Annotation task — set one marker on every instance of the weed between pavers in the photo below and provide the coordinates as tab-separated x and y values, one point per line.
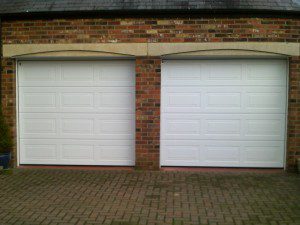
6	171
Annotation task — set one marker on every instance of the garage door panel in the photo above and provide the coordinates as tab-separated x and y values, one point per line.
181	127
244	153
34	73
174	73
117	100
266	127
180	155
32	100
181	99
117	153
270	72
68	74
226	99
264	154
222	99
215	73
77	99
77	113
266	100
116	74
222	153
71	71
76	127
223	113
39	152
38	125
77	152
115	128
223	126
224	72
87	126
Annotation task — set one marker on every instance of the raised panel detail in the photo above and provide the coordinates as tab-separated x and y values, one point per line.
184	153
77	100
261	71
116	100
38	74
225	72
116	126
264	100
264	127
179	73
76	72
182	127
77	126
223	100
117	74
36	126
220	154
115	153
77	152
223	127
184	99
263	154
39	100
40	151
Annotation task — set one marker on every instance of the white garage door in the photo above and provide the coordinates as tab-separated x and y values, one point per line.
77	113
227	113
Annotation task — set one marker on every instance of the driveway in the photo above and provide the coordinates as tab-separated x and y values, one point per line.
56	196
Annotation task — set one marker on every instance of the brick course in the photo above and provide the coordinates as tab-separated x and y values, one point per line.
214	29
137	30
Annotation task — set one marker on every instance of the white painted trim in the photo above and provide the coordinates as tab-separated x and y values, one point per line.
286	113
17	114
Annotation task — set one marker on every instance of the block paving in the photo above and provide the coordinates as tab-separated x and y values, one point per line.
58	196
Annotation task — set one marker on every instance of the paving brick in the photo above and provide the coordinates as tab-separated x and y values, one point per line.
43	196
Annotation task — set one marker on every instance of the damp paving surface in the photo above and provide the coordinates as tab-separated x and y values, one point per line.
113	197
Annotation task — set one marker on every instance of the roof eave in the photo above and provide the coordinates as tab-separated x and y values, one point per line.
152	12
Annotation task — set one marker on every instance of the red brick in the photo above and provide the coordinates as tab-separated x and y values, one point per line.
148	114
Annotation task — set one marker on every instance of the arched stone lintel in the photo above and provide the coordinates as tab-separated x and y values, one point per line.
252	48
151	49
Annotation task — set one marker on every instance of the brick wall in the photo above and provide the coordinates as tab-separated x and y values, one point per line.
148	71
8	96
293	139
151	30
181	29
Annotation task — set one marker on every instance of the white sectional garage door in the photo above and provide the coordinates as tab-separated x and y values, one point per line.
228	113
76	113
